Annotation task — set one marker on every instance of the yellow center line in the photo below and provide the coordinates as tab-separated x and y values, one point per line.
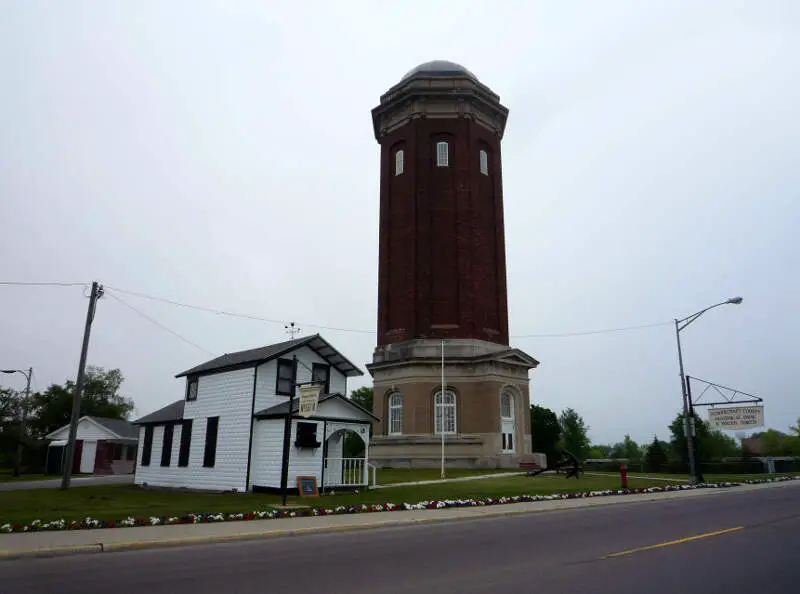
673	542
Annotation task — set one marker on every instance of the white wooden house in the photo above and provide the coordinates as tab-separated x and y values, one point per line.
226	434
102	446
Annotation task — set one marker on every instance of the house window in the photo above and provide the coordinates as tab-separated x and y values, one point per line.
484	159
398	162
306	435
445	412
395	413
442	154
147	448
186	443
166	444
284	384
210	454
322	373
191	389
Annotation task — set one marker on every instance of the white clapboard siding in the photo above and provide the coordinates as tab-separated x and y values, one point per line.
265	465
306	461
265	384
155	474
227	396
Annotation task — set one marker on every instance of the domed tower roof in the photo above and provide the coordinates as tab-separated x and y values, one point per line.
439	68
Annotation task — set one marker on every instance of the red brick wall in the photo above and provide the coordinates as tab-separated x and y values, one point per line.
442	241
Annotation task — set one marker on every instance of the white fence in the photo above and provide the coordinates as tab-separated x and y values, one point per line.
345	472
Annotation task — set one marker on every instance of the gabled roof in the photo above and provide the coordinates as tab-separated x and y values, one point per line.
280	410
263	354
119	428
171	412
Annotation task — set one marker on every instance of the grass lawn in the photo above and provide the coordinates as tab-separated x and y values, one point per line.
391	476
6	476
115	502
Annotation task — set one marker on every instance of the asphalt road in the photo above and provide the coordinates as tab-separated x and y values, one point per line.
110	479
554	552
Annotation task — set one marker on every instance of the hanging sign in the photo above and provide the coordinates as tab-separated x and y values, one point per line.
734	418
309	399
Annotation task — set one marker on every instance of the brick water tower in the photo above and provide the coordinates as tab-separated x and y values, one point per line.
442	277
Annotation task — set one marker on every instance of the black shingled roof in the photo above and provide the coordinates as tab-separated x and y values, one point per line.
263	354
171	412
121	427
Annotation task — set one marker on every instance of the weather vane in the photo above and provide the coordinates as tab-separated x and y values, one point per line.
292	330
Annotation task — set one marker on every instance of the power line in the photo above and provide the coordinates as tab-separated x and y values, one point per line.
25	284
233	314
282	322
160	325
587	332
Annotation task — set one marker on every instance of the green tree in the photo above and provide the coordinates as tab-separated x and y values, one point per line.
574	433
628	449
796	428
363	397
719	445
656	457
678	440
545	432
599	452
353	444
101	397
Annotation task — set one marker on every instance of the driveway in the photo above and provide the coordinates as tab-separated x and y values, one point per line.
112	479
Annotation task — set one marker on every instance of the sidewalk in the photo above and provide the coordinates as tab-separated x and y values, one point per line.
53	543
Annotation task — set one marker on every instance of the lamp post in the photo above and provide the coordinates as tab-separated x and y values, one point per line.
22	416
688	411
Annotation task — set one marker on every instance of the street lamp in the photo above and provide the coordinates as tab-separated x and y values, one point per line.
688	421
23	412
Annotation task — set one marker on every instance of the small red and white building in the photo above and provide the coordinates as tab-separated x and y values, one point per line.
102	446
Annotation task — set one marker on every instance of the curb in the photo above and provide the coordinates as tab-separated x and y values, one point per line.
138	545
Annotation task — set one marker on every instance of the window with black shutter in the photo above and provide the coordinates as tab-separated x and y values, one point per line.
210	454
147	448
284	383
186	443
322	373
166	445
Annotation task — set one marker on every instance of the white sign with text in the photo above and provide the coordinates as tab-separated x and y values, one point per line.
309	399
735	418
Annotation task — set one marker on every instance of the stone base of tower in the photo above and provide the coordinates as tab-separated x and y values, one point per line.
479	373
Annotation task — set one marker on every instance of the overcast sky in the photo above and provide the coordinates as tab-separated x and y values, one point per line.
221	154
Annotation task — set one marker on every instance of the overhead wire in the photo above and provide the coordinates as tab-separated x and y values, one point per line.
160	325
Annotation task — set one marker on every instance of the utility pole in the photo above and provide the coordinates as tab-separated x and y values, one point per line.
287	431
97	292
22	415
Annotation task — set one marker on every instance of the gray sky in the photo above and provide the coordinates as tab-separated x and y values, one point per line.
221	154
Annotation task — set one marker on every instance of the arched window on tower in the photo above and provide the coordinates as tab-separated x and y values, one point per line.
442	154
398	162
508	425
484	162
445	412
395	413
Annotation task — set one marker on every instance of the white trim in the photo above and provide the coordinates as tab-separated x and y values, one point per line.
399	158
395	415
508	422
442	154
95	423
57	442
437	415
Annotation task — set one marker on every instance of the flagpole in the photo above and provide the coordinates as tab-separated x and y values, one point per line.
441	410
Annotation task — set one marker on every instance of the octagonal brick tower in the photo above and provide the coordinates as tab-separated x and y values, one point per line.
442	276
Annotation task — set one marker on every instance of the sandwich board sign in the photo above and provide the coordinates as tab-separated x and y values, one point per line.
309	400
735	418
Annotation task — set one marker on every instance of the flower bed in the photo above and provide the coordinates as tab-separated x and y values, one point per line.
92	523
